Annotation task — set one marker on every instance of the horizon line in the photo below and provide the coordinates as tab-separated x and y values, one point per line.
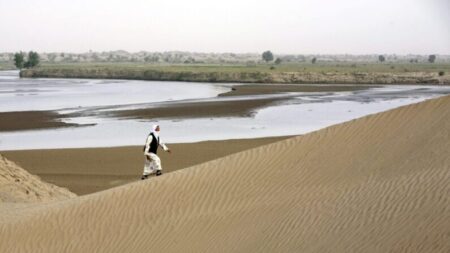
224	52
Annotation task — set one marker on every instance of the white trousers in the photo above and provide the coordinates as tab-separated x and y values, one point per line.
152	165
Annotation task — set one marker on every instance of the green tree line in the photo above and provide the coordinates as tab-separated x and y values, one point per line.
31	61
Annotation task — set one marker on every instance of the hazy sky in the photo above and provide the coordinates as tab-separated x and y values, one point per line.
283	26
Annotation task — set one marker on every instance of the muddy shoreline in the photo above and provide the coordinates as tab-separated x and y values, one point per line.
33	120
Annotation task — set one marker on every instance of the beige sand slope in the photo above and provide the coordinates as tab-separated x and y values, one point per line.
18	186
89	170
376	184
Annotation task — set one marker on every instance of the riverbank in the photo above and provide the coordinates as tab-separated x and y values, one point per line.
81	100
336	73
7	66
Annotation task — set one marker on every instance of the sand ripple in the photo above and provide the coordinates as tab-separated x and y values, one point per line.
376	184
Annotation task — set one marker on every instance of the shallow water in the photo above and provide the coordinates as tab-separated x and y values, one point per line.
301	113
23	94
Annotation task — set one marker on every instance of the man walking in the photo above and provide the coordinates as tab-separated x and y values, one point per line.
152	161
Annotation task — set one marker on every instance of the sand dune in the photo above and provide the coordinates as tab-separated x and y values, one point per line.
20	192
376	184
17	185
88	170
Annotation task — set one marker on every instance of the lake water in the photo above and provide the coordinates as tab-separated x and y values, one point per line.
301	113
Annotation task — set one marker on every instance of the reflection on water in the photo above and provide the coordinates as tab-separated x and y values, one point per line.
300	113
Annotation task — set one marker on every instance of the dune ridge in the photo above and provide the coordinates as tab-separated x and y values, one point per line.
376	184
23	194
19	186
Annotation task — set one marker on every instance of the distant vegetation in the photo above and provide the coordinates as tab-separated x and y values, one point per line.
19	60
32	60
267	56
432	58
321	72
192	58
230	67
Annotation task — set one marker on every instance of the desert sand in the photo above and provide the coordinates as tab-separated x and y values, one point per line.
376	184
88	170
19	186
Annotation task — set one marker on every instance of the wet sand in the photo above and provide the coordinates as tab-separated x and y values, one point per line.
32	120
29	120
213	109
237	108
262	89
88	170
